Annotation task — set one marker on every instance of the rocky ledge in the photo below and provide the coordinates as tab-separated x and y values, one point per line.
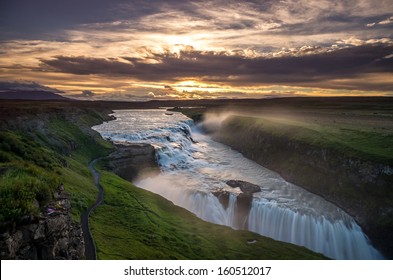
245	187
243	200
132	159
51	236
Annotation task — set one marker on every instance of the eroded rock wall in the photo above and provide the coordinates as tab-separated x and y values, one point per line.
53	235
132	159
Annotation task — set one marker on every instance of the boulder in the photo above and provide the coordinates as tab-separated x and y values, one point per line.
223	197
242	206
14	242
245	187
39	233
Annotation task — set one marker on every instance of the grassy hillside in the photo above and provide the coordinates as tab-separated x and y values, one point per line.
49	145
38	153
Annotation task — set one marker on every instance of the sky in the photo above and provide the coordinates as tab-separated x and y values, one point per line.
141	50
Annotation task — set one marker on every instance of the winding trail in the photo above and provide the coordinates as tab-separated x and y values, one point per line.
90	248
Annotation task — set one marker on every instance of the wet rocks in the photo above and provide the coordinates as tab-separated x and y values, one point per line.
223	197
245	187
243	200
130	159
243	207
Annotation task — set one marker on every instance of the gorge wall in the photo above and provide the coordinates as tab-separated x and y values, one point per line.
362	188
131	159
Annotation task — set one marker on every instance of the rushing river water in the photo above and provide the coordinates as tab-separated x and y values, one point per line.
194	167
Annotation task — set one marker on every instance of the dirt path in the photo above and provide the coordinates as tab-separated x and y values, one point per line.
90	248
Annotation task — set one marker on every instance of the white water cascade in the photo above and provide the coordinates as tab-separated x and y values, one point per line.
194	173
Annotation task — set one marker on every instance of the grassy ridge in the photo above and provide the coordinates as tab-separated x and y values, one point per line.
364	141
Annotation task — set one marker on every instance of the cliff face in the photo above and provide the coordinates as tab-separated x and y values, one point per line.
361	188
132	159
51	236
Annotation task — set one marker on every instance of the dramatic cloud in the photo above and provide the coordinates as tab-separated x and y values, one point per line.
134	48
309	67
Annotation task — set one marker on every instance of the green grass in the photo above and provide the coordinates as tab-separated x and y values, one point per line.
27	176
137	224
351	139
78	183
25	188
43	153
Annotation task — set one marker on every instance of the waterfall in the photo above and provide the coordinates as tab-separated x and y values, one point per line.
339	239
194	174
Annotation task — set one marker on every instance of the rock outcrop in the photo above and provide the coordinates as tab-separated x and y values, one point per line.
243	200
223	197
51	236
132	159
245	187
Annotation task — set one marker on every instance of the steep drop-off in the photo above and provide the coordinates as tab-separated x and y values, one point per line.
361	187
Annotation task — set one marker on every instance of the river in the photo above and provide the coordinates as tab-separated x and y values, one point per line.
194	169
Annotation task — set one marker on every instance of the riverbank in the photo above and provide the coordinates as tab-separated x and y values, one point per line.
47	144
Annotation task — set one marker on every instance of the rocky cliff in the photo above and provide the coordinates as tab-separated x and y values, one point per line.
132	159
50	236
360	187
243	200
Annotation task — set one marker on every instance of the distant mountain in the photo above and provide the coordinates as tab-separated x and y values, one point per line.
31	95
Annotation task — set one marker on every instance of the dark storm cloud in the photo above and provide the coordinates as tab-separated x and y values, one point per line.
34	19
313	69
86	65
39	18
331	25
